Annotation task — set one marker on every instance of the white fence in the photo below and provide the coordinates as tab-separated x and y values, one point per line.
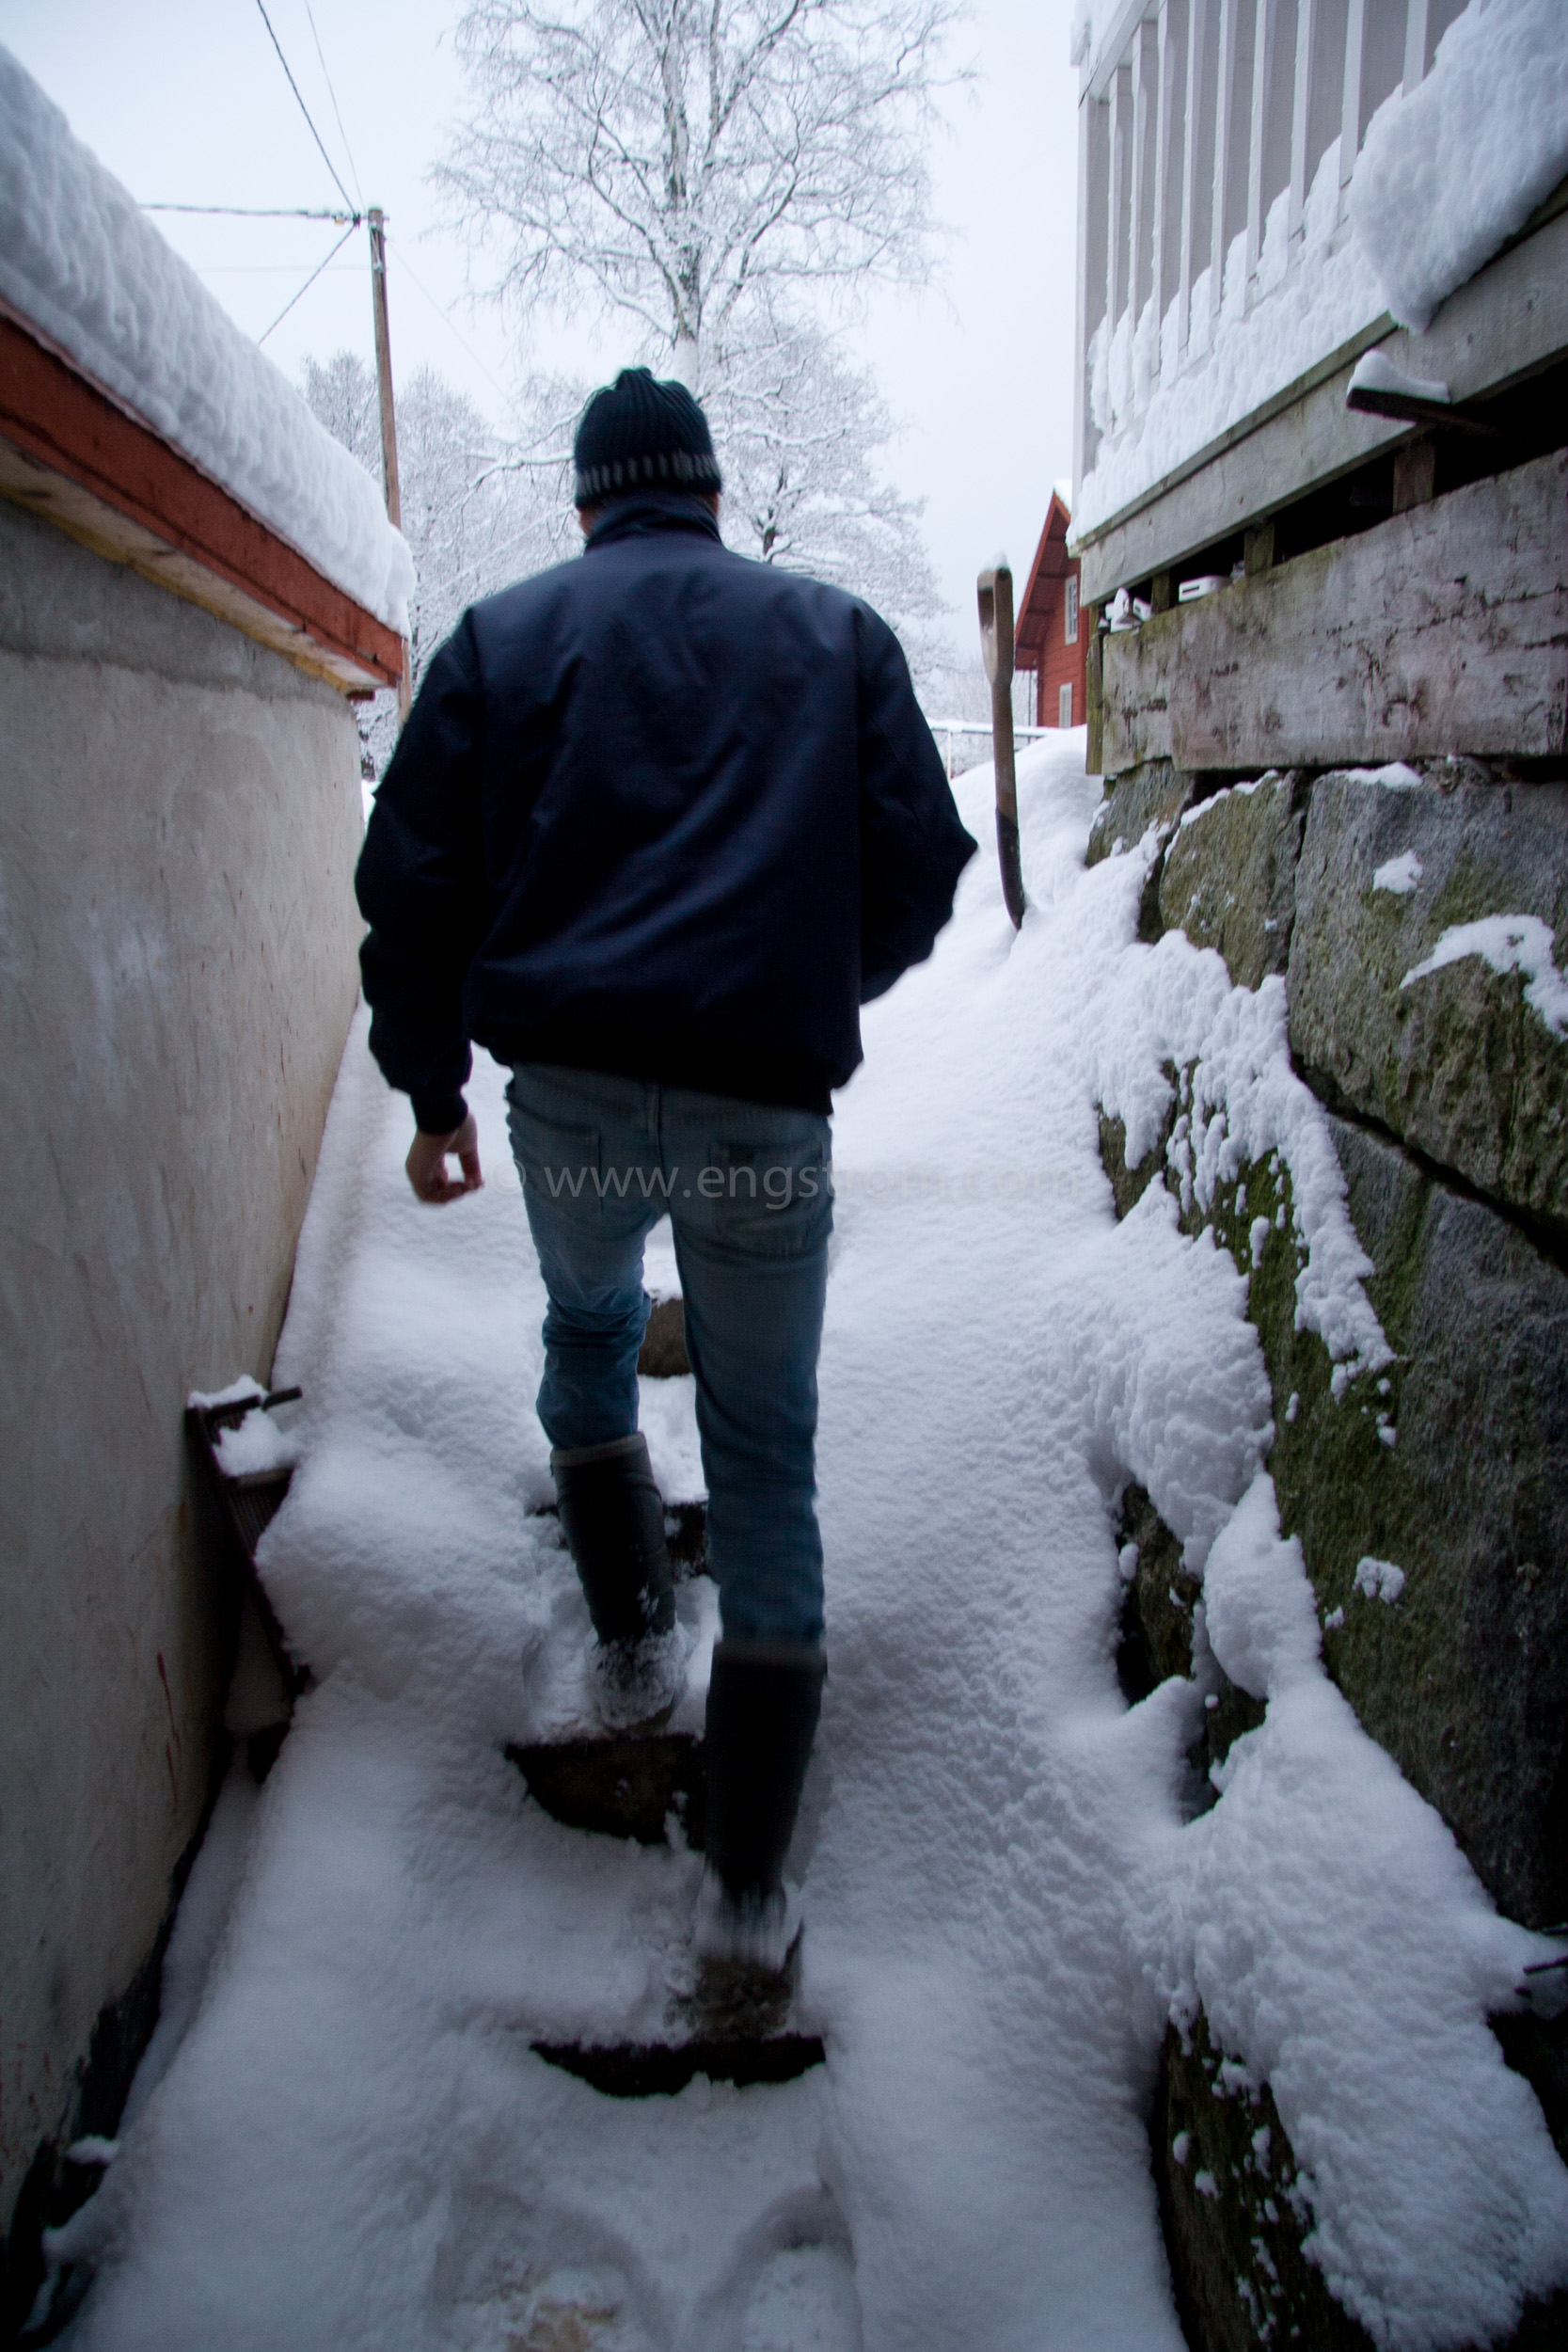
975	736
1217	139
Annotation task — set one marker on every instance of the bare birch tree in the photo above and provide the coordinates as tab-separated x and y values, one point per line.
479	508
671	158
797	430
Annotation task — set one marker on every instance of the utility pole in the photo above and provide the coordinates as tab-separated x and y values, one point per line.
389	415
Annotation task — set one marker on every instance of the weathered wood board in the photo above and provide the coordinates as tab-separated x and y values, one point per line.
1443	629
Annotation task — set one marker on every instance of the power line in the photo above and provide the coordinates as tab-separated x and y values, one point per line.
333	95
445	316
310	280
263	212
306	112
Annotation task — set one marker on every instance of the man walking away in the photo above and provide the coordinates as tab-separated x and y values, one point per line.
660	821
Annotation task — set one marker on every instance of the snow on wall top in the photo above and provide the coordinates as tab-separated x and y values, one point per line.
1451	169
79	258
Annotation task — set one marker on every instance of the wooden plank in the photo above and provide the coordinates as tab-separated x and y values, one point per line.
1443	630
1504	324
75	454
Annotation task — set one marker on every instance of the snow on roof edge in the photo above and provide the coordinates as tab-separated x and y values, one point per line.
79	260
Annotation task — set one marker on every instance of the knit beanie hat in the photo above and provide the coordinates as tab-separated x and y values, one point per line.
643	433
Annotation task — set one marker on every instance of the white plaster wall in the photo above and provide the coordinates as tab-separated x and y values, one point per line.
179	813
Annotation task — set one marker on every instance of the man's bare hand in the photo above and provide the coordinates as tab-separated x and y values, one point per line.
427	1164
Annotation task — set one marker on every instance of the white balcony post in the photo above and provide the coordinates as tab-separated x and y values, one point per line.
1306	12
1418	16
1229	11
1349	121
1120	221
1263	62
1145	92
1094	183
1198	17
1162	166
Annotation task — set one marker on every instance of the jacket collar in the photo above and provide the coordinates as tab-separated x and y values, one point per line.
654	510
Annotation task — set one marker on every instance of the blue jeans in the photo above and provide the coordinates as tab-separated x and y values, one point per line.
747	1188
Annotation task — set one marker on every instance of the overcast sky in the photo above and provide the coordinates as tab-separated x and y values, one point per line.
184	99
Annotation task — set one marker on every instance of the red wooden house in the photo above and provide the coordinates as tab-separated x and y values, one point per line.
1047	636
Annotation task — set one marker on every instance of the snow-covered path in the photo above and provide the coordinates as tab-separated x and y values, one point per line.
352	2144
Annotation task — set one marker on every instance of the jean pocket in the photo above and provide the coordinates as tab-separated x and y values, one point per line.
771	1199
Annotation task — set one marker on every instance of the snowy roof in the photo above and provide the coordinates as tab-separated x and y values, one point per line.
81	262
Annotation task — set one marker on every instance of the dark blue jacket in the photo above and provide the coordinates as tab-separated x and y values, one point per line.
661	810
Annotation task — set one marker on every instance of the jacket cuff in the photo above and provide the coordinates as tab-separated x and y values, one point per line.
438	1114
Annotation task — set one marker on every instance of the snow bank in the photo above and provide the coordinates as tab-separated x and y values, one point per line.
353	2145
1340	1944
86	266
1450	171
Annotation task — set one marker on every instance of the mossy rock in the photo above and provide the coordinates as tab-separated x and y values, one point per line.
1236	2219
1536	2047
1156	1640
1128	1184
1154	794
1451	1464
1157	1615
1237	2223
1229	875
663	1354
1457	1063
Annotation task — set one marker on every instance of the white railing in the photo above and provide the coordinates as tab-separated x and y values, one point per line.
1213	136
949	728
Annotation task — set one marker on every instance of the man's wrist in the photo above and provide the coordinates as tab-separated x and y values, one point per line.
439	1114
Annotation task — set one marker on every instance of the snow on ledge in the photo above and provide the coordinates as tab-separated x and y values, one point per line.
1509	943
83	263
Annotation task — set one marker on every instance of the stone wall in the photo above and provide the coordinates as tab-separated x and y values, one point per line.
1435	1034
179	811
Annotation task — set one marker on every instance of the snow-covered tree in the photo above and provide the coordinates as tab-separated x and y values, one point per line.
666	159
479	508
798	429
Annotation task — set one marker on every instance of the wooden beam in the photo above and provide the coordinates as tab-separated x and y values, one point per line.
72	454
1442	630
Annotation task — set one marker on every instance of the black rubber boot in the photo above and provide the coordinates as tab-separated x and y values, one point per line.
763	1702
613	1518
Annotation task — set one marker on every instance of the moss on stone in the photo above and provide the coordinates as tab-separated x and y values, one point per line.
1153	794
1157	1616
1158	1640
1452	1464
1228	879
1235	2215
1456	1063
1128	1185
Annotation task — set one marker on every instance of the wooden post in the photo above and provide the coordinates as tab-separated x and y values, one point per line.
1094	691
389	415
995	592
1415	473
